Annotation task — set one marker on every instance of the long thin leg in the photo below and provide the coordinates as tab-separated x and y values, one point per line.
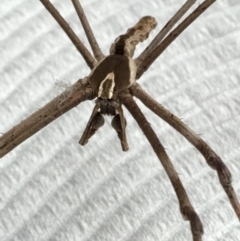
213	160
91	62
186	208
70	98
163	32
88	31
146	63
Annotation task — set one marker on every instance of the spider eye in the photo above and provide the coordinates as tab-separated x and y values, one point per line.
114	89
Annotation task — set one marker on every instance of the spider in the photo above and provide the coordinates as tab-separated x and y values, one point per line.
111	94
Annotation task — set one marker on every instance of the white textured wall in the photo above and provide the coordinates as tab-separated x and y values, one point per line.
53	189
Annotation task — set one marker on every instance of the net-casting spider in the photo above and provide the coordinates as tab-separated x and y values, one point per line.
113	83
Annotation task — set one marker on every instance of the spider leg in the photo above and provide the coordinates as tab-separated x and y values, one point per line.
88	31
213	160
155	53
77	93
186	208
163	32
91	62
95	122
119	124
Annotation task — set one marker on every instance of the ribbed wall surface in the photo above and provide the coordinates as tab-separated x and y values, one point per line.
53	189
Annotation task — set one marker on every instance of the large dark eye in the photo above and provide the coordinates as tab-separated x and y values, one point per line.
114	89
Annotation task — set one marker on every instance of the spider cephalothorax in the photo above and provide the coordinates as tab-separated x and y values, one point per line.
113	82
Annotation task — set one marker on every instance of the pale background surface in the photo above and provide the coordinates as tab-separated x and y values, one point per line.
53	189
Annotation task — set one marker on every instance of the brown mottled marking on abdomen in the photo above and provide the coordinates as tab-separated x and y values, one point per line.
125	44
